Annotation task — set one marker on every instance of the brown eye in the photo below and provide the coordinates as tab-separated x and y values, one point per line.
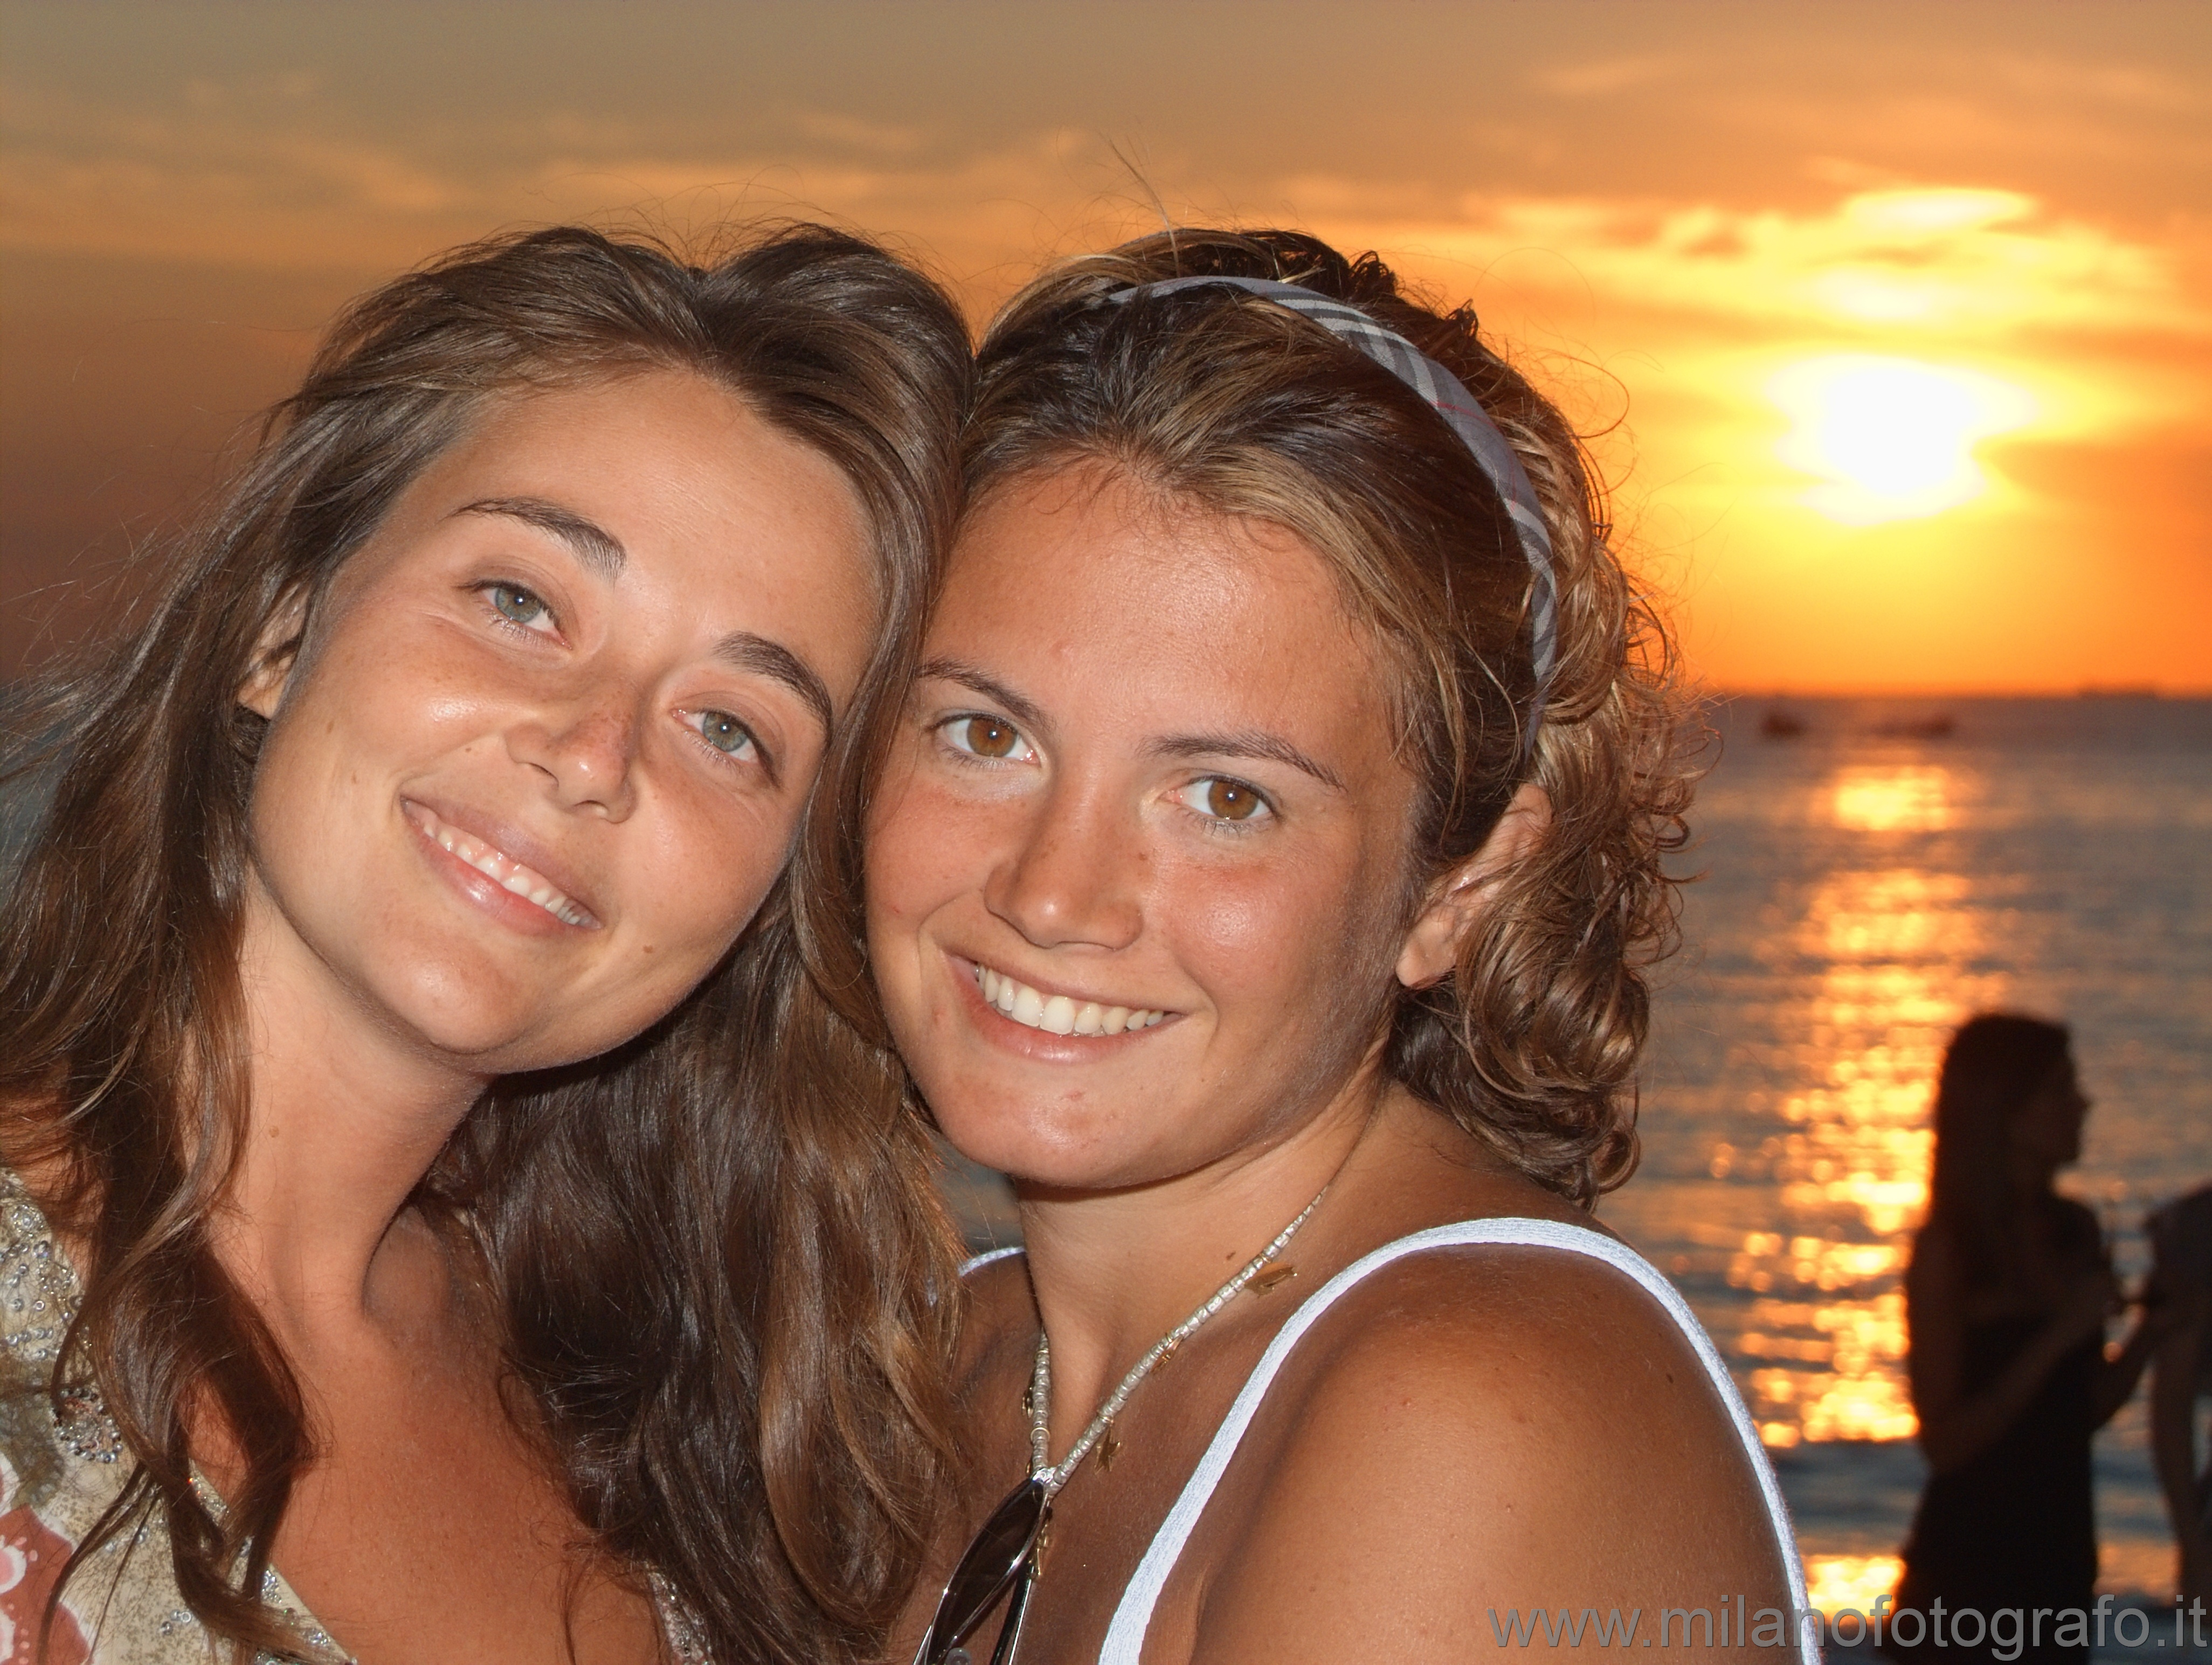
1231	800
985	736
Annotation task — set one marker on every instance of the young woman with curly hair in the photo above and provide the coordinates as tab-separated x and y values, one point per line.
1265	878
445	1217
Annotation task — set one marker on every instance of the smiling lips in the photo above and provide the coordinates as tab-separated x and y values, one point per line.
1058	1015
501	868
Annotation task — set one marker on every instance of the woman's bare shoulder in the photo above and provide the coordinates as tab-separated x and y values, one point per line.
1484	1330
1482	1429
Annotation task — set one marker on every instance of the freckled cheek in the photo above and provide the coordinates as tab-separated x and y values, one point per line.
1257	943
928	848
304	786
396	704
699	877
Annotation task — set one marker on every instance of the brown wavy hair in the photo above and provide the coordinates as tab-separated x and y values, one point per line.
1213	397
714	1247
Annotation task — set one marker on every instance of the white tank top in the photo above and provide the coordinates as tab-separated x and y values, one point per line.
1125	1636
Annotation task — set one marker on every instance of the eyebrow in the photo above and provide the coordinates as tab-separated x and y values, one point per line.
1024	711
596	546
1249	742
744	650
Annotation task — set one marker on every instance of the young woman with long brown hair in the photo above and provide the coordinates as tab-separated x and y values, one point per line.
1264	878
445	1217
2006	1302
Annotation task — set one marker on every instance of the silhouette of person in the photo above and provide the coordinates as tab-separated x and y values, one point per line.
2181	1371
2007	1299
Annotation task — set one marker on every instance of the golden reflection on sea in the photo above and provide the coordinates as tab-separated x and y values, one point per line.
1893	798
1835	1583
1898	956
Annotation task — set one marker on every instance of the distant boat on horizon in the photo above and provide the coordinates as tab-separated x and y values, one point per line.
1780	725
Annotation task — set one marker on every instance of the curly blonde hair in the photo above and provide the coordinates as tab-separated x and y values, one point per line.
1211	396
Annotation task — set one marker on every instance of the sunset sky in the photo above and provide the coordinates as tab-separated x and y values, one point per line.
1891	324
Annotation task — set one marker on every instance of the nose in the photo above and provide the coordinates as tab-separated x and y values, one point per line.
1077	877
587	752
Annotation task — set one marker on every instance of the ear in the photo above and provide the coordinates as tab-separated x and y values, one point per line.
274	652
1432	946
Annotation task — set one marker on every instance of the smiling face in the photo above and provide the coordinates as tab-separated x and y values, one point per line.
1135	872
546	743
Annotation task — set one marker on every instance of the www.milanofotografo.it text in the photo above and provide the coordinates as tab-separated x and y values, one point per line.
2005	1631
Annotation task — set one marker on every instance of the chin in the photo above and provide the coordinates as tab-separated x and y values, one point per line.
481	1021
1043	1150
491	1044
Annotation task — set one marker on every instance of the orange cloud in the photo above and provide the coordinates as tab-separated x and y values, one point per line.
1874	331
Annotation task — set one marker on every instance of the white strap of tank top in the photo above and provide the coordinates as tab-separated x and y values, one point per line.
1125	1637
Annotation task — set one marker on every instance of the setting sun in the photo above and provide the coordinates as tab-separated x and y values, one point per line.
1891	438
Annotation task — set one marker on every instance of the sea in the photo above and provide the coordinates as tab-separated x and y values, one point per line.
1866	875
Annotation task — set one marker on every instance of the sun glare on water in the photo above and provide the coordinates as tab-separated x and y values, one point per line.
1890	439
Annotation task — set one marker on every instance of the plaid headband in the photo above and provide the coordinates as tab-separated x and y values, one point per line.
1451	401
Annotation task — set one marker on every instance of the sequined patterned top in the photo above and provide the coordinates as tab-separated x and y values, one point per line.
59	1472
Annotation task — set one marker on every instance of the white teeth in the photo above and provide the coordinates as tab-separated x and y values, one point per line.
999	991
1059	1015
502	870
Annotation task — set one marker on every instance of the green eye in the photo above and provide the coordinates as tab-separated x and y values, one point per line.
725	732
517	605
